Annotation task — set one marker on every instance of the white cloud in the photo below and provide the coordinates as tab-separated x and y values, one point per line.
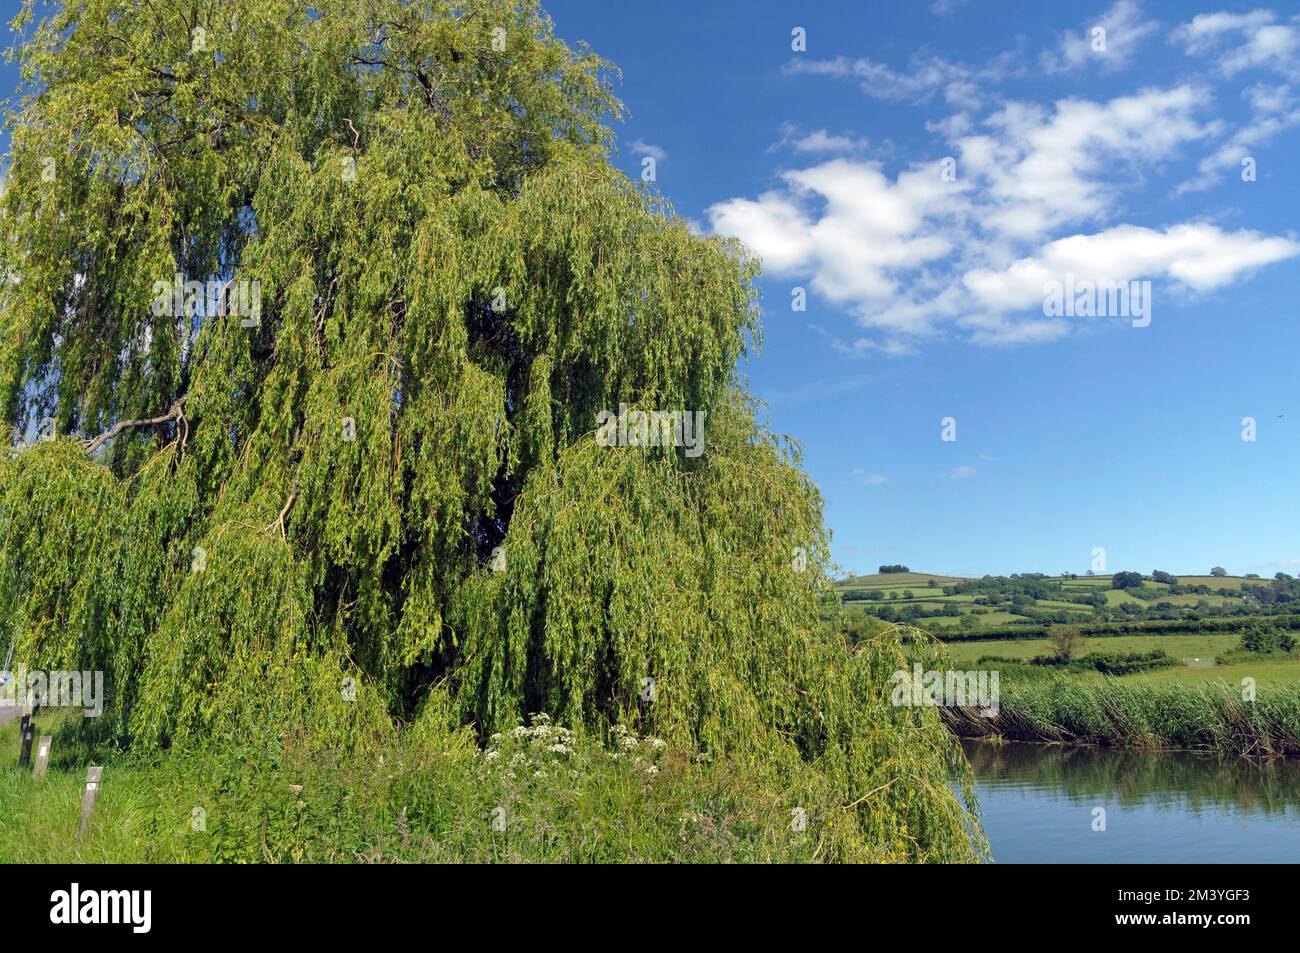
871	479
844	223
1244	41
1124	29
995	330
925	76
773	225
1273	109
893	347
1047	170
1207	28
1037	196
1200	256
1282	564
962	472
640	148
914	255
952	127
817	141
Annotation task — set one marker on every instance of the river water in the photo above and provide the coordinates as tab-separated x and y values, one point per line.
1056	804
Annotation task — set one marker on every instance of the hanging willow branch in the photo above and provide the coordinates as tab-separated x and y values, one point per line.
454	295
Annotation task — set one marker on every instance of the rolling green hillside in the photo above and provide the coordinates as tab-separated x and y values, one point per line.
1192	624
938	601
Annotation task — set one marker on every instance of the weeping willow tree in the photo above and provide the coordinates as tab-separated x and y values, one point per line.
311	313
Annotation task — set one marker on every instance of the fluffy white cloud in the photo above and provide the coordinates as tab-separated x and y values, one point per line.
1037	193
1124	29
913	255
640	148
1200	256
1044	170
1242	41
817	141
1207	29
773	225
844	223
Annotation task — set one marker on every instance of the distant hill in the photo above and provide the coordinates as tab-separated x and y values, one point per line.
1000	601
893	579
911	578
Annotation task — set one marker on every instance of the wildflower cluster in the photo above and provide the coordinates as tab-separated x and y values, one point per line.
538	747
640	751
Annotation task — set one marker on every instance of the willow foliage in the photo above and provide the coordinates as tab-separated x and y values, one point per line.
452	282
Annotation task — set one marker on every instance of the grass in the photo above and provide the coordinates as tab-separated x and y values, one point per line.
1265	672
1182	706
1178	646
555	797
1179	707
1218	582
898	580
1141	712
995	617
1119	597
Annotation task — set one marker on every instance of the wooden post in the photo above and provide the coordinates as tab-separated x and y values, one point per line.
93	777
42	756
25	731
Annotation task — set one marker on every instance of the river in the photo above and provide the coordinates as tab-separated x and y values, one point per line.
1056	804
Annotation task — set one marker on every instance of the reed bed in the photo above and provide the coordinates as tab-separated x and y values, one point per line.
1211	715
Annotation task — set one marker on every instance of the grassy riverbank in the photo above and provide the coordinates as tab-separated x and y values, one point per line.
1140	712
536	794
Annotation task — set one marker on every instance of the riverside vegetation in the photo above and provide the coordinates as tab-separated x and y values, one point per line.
1222	676
327	554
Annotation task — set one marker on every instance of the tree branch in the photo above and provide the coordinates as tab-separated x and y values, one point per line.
279	520
173	413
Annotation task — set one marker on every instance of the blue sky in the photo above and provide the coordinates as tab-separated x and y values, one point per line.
925	297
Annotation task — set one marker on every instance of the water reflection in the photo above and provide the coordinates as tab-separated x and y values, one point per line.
1042	803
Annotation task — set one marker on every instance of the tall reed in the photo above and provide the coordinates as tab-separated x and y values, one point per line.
1111	711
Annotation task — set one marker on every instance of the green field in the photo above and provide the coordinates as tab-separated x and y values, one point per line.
1177	646
1124	609
1264	673
898	579
901	594
1204	647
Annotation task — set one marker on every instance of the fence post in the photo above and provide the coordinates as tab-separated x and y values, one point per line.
26	730
42	756
93	777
